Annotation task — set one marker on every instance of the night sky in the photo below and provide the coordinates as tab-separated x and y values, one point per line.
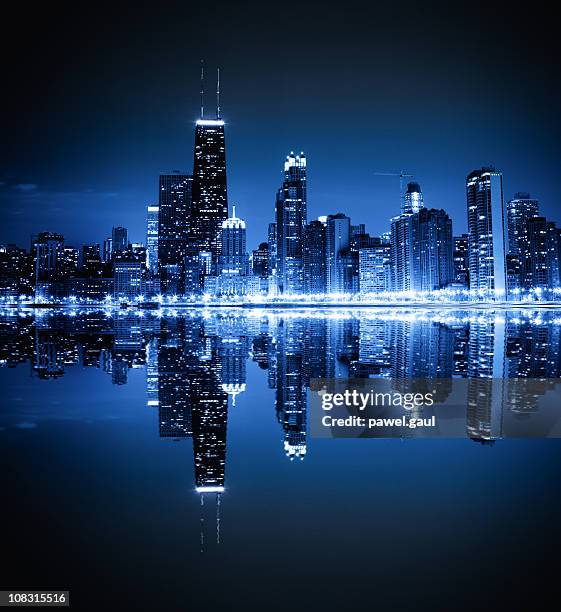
99	100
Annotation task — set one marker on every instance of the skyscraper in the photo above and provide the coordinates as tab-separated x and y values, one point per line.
210	197
413	200
486	231
433	266
120	239
291	215
314	258
402	239
338	242
260	260
461	260
49	266
540	263
174	228
521	208
152	229
373	268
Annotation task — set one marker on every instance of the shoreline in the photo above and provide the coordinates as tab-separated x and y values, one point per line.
289	306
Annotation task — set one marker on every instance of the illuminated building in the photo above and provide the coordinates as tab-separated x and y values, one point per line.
486	231
291	215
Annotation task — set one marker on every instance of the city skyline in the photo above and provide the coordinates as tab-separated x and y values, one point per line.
85	154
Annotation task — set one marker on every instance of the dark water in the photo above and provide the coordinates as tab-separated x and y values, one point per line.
164	462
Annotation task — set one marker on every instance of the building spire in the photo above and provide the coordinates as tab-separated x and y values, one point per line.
218	93
202	88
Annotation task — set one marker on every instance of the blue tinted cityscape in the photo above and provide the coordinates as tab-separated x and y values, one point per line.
195	251
215	218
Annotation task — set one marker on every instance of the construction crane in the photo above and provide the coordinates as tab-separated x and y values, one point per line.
402	174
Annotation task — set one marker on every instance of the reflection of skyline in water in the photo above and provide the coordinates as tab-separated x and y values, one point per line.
196	362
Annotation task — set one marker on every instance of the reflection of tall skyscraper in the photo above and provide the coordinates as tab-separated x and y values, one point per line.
177	363
291	215
486	231
290	400
487	343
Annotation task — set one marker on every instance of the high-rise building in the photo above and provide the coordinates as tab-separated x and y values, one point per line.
461	260
272	241
152	233
314	258
374	268
210	196
338	242
521	208
91	264
413	200
260	260
48	249
401	239
433	266
174	226
486	231
107	253
540	263
119	239
401	252
291	215
16	271
233	250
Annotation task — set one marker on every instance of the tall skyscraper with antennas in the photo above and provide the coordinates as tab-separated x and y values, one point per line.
210	197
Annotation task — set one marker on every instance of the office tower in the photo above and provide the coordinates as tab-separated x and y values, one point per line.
233	258
521	208
401	239
69	261
540	256
374	272
48	249
91	264
129	270
291	215
401	252
272	242
152	232
461	260
119	239
358	230
233	263
210	197
107	250
486	231
431	232
16	271
338	230
413	200
314	258
174	227
260	260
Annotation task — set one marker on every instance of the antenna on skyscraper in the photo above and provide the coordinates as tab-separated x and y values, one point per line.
202	88
218	93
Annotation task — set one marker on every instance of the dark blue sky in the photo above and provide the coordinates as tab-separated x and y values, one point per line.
100	100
